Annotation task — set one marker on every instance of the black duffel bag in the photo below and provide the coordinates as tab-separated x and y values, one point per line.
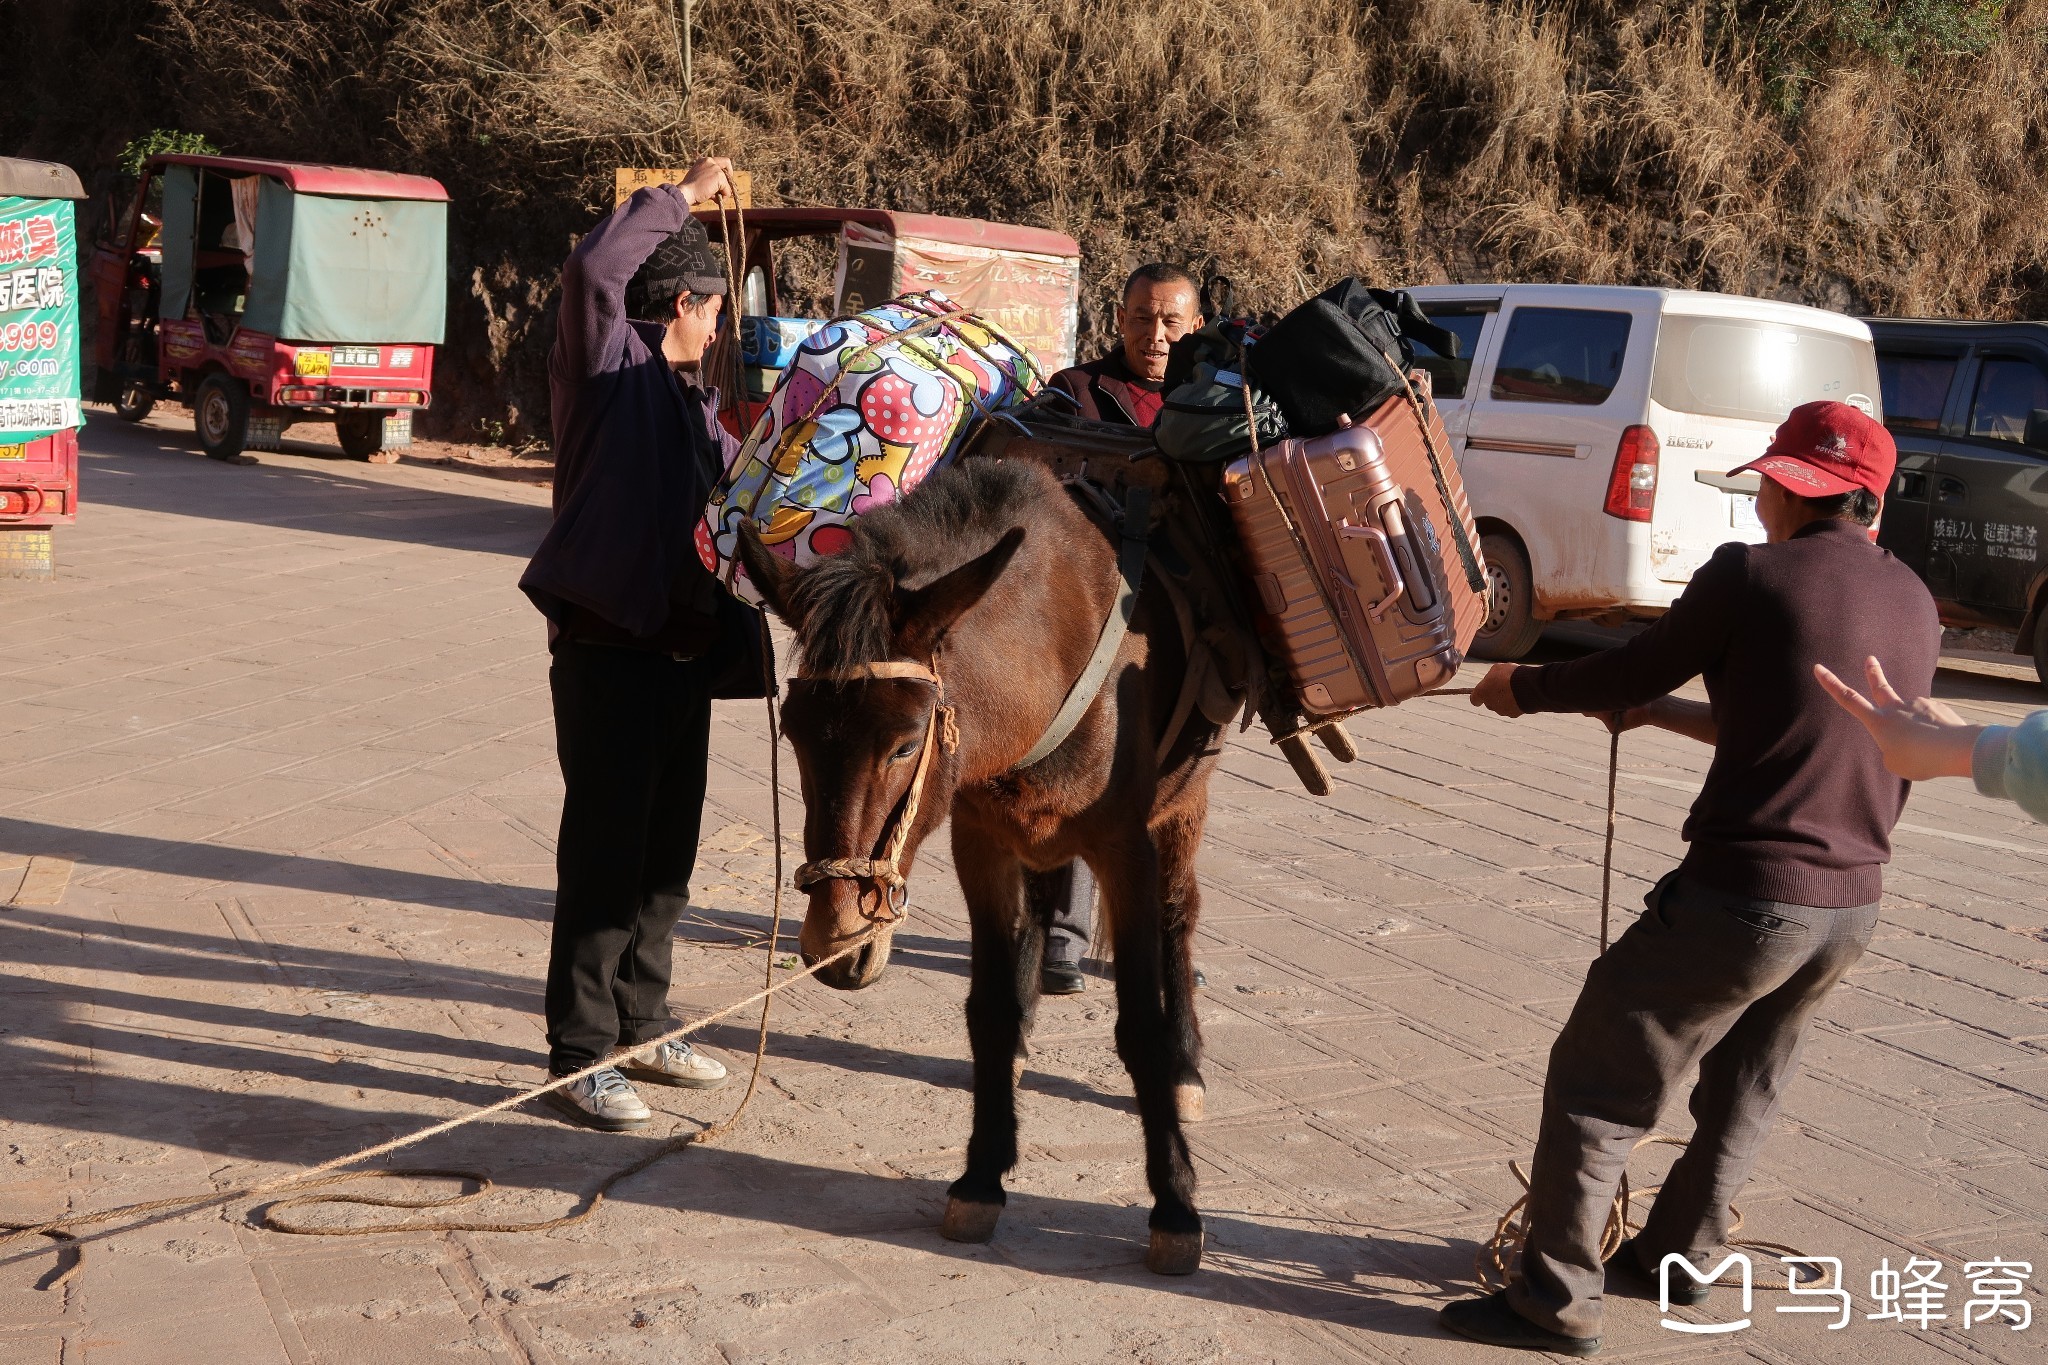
1337	355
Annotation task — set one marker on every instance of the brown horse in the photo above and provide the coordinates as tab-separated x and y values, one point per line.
974	604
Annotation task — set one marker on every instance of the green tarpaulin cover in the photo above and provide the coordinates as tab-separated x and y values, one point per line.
323	269
340	270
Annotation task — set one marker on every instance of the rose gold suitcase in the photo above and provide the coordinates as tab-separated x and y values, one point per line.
1354	559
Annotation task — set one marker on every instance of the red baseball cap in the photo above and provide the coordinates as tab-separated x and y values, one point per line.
1825	449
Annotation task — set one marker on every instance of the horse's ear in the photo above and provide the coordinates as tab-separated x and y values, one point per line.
772	575
924	615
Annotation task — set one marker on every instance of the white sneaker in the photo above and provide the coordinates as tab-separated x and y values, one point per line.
676	1063
604	1099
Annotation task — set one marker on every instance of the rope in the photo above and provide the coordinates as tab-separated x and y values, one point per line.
1607	853
326	1172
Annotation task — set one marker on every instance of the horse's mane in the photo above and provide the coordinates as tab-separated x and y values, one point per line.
843	600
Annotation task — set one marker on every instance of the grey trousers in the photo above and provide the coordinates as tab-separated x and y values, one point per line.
1727	982
1067	895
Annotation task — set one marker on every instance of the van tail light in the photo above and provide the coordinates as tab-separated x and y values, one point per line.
1632	487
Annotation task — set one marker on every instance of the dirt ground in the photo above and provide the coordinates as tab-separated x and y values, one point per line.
277	808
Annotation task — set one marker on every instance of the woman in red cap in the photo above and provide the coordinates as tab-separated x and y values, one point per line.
1775	899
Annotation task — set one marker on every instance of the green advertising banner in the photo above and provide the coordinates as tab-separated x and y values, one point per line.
38	319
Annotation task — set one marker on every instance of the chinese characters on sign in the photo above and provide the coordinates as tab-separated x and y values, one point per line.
1915	1295
1994	539
33	286
30	238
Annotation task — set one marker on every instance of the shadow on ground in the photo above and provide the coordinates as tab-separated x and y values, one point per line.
161	469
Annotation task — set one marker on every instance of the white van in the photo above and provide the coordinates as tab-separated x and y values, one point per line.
1580	415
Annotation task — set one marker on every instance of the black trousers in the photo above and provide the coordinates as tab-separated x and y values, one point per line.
1067	896
1727	982
633	735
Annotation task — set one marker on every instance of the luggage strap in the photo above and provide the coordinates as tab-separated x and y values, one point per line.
1475	577
1130	568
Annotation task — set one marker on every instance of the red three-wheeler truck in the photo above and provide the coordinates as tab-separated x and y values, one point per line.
263	293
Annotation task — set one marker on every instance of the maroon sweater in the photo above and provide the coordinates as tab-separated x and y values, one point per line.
1797	805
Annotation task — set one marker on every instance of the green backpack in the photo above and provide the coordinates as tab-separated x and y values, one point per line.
1202	419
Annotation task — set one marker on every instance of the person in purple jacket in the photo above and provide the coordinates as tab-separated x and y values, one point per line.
642	635
1777	896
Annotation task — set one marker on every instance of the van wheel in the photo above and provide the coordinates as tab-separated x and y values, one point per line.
361	433
1511	628
220	410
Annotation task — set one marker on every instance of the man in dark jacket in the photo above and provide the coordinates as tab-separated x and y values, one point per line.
1161	304
1775	900
642	635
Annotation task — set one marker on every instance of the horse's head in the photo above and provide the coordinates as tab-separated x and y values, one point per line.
867	717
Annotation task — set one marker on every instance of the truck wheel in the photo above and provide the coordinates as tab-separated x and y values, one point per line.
132	401
1511	628
361	433
220	410
2041	655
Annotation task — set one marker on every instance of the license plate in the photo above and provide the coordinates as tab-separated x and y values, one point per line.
19	452
313	364
1742	514
356	357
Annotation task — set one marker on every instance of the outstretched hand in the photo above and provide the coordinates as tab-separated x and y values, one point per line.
1919	739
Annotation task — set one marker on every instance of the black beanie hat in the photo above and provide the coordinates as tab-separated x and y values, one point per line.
683	264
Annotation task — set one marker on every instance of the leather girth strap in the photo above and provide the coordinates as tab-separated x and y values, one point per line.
1130	567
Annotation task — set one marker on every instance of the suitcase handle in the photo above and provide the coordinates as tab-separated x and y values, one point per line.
1390	571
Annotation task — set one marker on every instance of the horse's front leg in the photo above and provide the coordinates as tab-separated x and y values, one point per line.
1150	1052
993	880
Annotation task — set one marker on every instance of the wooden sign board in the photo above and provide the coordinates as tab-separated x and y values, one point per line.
632	178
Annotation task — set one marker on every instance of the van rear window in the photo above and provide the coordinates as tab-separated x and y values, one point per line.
1560	355
1758	371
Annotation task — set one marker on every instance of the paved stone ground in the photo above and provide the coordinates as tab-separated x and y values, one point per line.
290	724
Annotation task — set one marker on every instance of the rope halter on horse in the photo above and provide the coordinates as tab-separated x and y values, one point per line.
886	872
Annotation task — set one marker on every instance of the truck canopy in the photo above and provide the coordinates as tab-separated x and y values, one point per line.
24	179
327	267
1025	280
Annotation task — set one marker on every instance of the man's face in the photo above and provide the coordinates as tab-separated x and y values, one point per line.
691	329
1151	318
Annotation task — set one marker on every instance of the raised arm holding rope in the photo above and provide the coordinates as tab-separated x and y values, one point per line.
1777	895
643	637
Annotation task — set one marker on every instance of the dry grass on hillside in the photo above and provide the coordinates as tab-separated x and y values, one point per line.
1885	155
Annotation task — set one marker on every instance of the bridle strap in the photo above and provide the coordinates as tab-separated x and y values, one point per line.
886	872
887	668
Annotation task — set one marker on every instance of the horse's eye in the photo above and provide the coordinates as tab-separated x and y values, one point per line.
905	751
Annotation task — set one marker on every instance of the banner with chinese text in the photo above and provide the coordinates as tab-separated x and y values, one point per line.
38	319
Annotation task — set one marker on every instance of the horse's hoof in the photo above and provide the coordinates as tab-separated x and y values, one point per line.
967	1221
1189	1099
1174	1253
